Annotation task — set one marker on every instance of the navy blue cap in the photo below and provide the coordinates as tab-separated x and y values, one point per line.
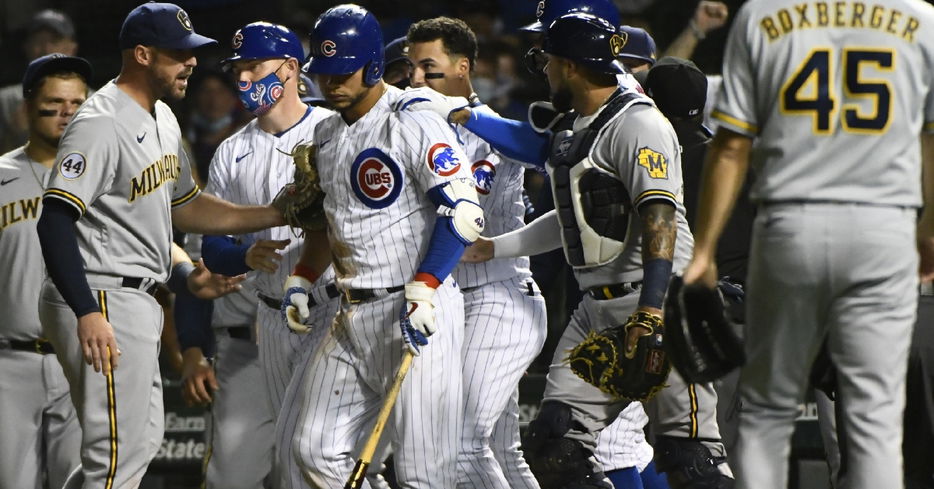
639	44
397	50
161	25
53	21
53	63
549	10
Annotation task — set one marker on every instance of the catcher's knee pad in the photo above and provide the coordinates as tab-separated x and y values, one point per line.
556	461
689	464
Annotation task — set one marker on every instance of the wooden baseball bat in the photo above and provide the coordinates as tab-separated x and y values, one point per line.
369	448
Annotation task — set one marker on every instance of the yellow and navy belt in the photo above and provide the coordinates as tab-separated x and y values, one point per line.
614	291
40	346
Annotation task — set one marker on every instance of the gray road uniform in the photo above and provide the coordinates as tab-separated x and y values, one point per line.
634	158
836	95
41	437
123	170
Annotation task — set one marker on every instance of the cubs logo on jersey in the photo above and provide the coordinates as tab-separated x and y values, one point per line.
484	173
442	160
376	179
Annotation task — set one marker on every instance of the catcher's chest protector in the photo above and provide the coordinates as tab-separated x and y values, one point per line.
593	205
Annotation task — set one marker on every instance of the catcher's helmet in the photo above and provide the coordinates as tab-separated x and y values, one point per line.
261	40
700	336
344	39
549	10
585	39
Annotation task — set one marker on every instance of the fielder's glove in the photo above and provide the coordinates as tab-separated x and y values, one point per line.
424	98
295	303
301	202
602	361
417	318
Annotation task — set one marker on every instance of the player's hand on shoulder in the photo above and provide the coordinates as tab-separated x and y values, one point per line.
417	318
198	380
98	343
295	303
424	98
263	255
207	285
480	251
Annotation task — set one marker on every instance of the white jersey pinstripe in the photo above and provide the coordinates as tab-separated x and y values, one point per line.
499	186
250	167
377	172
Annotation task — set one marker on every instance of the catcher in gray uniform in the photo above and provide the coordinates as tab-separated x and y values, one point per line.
42	440
121	180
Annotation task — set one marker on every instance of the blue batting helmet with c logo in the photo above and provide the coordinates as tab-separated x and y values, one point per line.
549	10
344	39
263	40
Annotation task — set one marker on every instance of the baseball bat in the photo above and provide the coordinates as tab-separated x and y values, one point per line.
355	481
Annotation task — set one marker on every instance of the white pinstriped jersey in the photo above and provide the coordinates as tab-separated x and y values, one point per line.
123	169
499	187
849	80
375	173
250	167
21	183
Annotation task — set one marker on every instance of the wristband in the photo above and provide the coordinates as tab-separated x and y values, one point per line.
655	276
178	281
698	34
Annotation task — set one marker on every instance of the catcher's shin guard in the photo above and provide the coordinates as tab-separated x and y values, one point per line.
556	461
689	464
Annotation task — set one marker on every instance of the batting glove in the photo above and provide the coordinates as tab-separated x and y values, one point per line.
295	303
424	98
417	319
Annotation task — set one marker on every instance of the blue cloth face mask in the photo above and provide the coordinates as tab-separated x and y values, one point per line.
259	96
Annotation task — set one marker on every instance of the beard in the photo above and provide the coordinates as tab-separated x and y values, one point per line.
561	99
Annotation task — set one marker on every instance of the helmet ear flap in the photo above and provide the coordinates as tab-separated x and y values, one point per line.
372	72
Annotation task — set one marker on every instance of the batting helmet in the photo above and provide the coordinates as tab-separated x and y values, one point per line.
549	10
585	39
344	39
262	40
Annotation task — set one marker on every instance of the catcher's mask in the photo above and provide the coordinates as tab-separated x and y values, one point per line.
701	339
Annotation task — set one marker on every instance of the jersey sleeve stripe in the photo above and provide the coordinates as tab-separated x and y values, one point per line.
734	121
653	194
187	197
67	197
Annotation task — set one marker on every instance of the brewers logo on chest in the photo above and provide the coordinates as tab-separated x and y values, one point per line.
484	173
375	178
442	160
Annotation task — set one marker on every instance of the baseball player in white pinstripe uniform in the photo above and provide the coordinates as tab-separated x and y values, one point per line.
250	167
41	438
505	312
401	206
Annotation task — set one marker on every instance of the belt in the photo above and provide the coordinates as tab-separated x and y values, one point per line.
239	333
614	291
354	296
330	290
42	347
148	286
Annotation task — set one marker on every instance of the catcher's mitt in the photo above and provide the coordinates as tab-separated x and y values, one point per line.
302	201
602	361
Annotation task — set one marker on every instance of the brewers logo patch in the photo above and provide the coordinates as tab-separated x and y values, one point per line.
184	20
72	166
484	173
375	178
328	48
617	42
442	160
654	162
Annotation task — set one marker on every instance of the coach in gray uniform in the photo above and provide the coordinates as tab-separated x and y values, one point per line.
123	175
835	130
41	438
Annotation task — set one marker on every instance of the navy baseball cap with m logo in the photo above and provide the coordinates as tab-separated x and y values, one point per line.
161	25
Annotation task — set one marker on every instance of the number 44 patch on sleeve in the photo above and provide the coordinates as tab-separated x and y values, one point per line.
73	166
654	162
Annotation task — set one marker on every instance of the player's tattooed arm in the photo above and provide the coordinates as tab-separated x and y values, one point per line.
659	231
659	234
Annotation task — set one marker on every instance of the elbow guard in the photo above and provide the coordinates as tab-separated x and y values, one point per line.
458	200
